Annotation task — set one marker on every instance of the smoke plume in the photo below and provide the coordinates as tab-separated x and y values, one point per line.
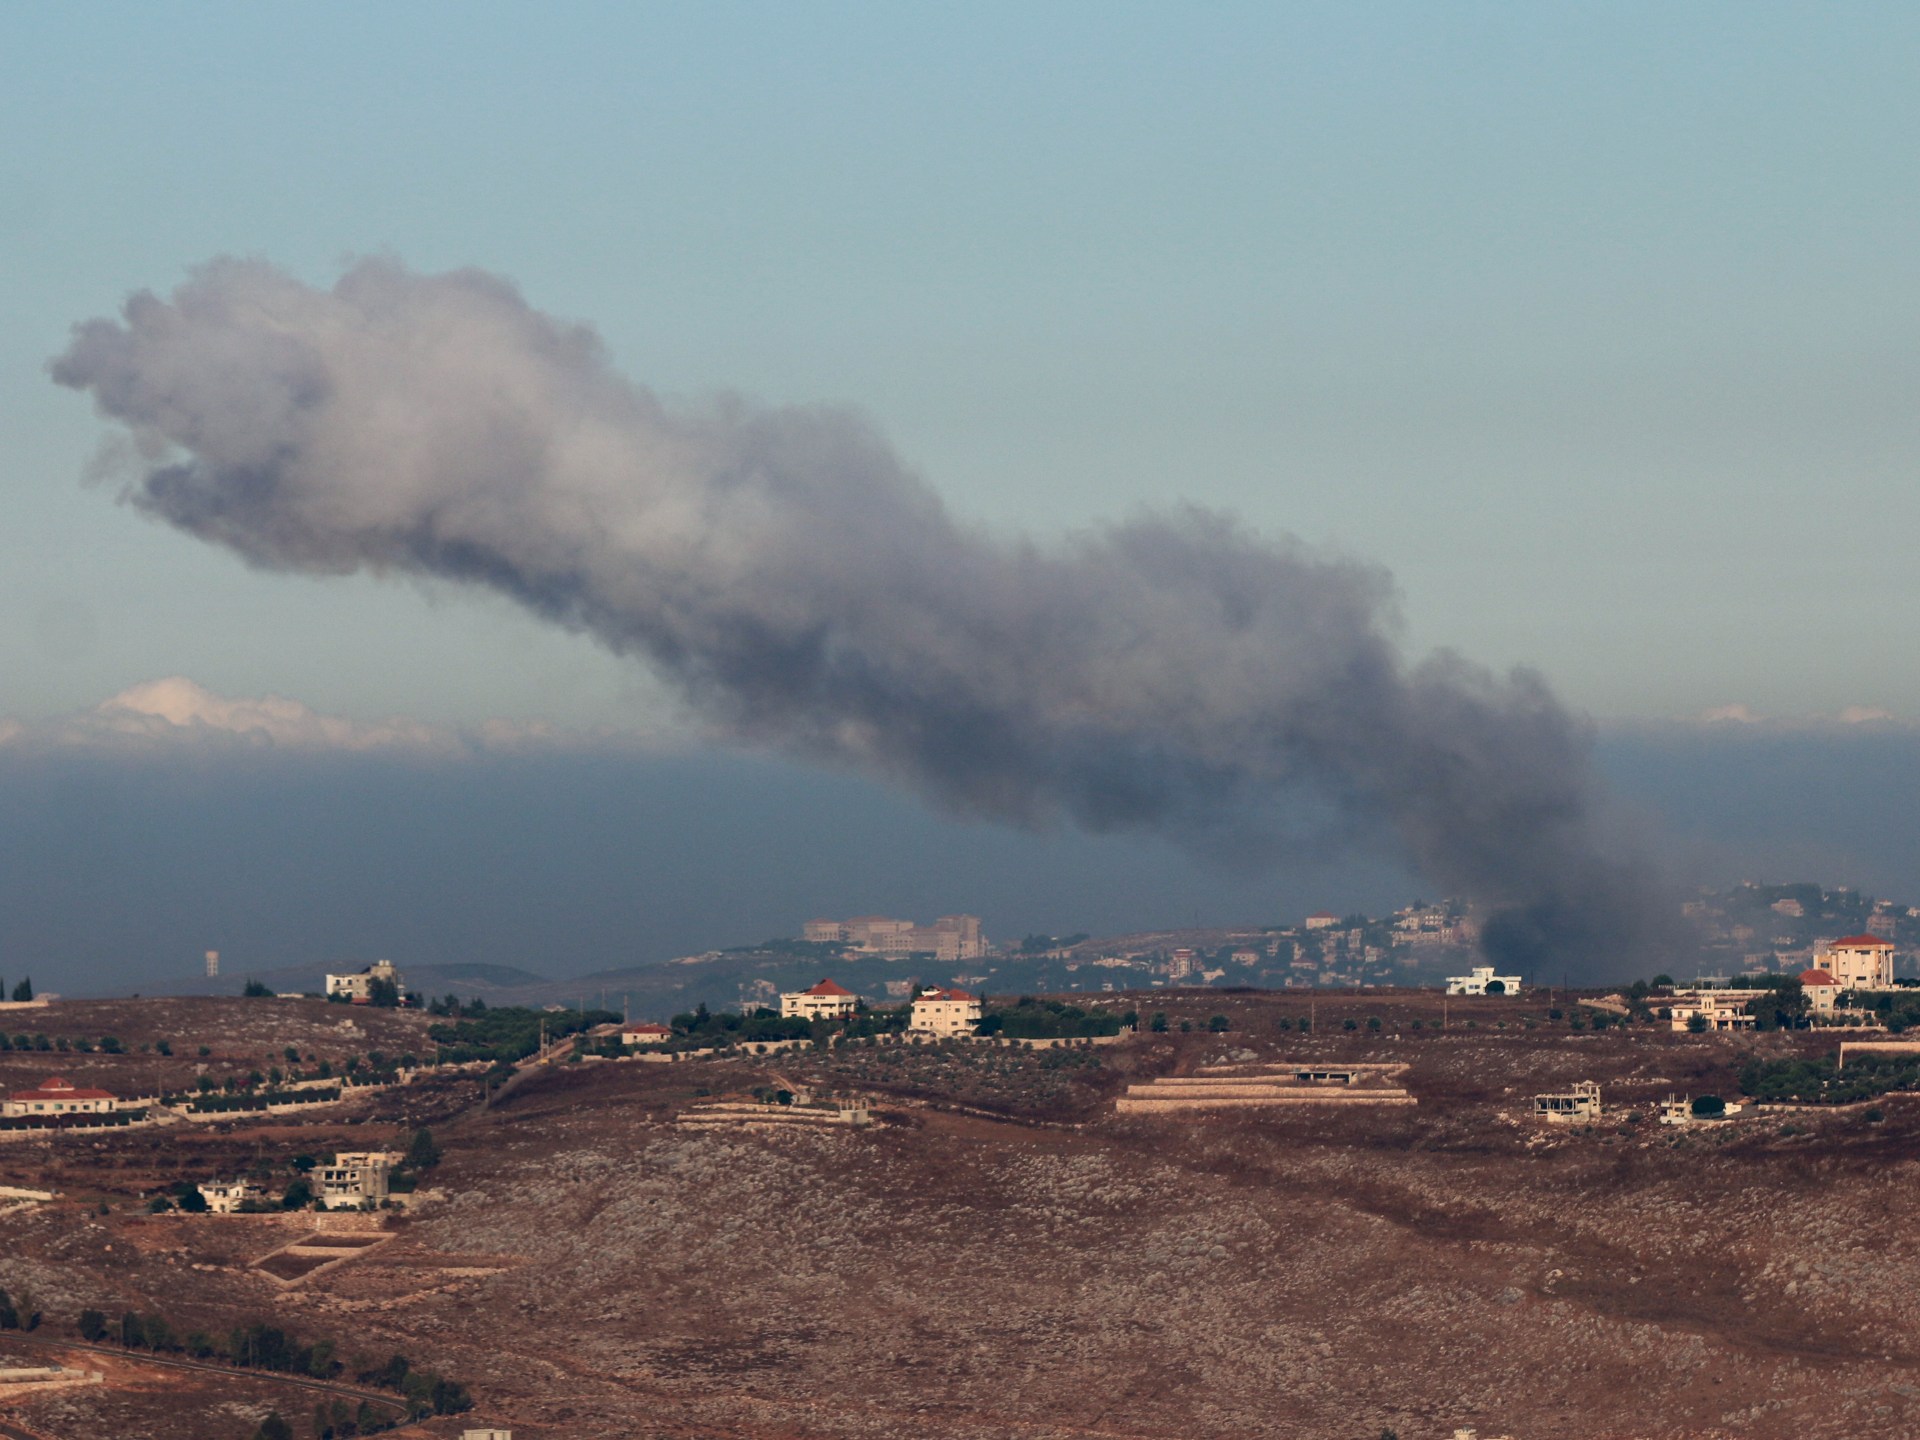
806	592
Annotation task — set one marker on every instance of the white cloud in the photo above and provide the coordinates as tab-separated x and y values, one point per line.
1863	715
1729	715
176	711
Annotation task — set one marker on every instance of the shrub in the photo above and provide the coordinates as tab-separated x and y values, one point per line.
1218	1025
1708	1107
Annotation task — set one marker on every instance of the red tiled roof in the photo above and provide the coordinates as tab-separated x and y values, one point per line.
645	1029
1323	915
828	987
1817	977
1854	942
946	995
54	1087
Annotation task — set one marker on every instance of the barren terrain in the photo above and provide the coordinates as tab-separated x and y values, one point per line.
1004	1257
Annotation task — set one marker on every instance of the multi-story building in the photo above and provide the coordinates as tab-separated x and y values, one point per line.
1322	920
355	1180
1859	962
825	1001
945	1012
359	987
1717	1009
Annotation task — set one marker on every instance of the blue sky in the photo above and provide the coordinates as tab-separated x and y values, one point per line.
1592	323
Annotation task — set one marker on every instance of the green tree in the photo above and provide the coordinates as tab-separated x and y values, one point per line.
110	1045
297	1196
254	990
133	1331
1708	1107
24	990
273	1428
1218	1025
1697	1023
9	1316
92	1326
1158	1025
383	993
165	1047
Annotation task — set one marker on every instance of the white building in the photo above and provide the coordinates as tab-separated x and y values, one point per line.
359	987
1718	1009
644	1032
1322	920
1483	982
226	1197
825	1001
352	1181
57	1096
1859	962
944	1013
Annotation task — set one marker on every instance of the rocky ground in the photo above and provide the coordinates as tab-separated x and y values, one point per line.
1004	1257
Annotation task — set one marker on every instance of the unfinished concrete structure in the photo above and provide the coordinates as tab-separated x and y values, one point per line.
1577	1106
1215	1087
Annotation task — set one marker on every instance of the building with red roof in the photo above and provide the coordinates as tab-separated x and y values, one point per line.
1821	989
827	1000
943	1013
57	1096
644	1032
1859	962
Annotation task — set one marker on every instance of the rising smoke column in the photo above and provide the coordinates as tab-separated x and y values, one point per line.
807	593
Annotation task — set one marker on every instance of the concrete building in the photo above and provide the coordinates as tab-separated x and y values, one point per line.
1719	1009
1859	962
1577	1106
825	1001
57	1096
1821	989
359	987
944	1013
1322	920
644	1032
226	1197
353	1181
1483	982
487	1434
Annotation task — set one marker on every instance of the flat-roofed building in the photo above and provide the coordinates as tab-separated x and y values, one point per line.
1483	982
1859	962
358	987
354	1180
944	1013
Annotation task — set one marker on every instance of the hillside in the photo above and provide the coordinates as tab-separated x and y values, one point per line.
1003	1256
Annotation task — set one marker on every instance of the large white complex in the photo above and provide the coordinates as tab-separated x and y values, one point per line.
1483	982
944	1012
825	1001
1859	962
951	937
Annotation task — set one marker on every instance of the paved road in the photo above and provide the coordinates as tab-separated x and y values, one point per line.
325	1387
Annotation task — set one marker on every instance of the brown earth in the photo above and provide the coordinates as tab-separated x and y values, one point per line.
1008	1258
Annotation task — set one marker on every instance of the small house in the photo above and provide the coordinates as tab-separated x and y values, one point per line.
942	1013
58	1096
825	1001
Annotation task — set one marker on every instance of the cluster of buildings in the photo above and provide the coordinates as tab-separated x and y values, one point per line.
951	937
933	1011
358	1180
1856	964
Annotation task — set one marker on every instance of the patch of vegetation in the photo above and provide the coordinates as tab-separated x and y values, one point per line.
1030	1019
1818	1082
508	1034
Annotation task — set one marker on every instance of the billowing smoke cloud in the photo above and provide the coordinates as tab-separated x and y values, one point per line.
808	593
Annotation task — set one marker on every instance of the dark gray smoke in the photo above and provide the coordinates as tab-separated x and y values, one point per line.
808	593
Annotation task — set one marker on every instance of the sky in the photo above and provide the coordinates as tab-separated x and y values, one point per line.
1591	324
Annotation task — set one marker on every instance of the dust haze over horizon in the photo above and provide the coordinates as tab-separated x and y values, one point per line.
808	595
